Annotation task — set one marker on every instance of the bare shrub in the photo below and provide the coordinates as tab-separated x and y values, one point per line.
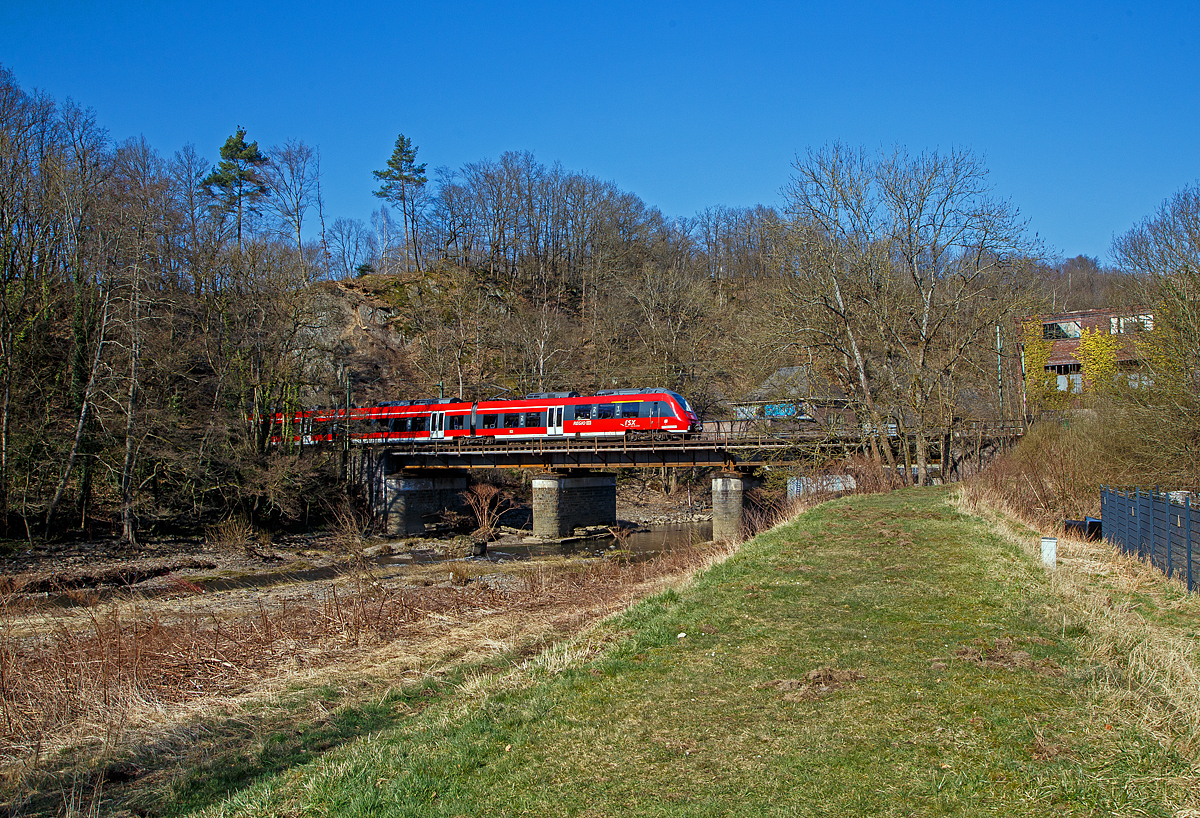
757	518
870	476
621	534
484	500
349	526
235	533
1054	473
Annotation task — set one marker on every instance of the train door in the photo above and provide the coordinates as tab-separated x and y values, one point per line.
554	420
437	425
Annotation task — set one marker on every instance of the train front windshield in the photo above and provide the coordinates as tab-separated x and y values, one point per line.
687	407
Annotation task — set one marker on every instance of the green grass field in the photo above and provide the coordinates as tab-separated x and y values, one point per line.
881	655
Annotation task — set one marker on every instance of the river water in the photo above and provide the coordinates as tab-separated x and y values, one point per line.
639	544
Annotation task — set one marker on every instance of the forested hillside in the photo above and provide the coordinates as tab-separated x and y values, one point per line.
154	305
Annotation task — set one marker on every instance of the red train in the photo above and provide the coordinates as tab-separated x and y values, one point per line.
609	413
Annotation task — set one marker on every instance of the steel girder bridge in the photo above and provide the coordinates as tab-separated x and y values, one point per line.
724	450
406	482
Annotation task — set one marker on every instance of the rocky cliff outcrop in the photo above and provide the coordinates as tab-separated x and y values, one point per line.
364	334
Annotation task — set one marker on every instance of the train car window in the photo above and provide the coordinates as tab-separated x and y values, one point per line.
512	420
398	425
489	421
533	420
418	424
630	410
456	422
583	413
606	411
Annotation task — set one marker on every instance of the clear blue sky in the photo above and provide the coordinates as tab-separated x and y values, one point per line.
1086	113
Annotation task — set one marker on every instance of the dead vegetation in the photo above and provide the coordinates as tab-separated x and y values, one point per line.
113	576
1001	655
816	684
1054	474
1138	625
109	677
763	516
484	500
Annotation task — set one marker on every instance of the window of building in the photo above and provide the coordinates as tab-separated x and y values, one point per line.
1058	330
1130	323
1069	377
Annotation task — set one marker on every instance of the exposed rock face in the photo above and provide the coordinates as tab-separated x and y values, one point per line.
362	332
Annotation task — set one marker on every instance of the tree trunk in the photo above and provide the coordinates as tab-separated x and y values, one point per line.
88	394
128	521
906	478
922	457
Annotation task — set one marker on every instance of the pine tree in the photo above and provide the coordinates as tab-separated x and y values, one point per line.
400	182
237	183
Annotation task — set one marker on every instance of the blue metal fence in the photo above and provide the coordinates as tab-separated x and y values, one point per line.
1154	527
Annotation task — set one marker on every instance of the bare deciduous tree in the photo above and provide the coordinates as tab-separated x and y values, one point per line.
293	175
913	257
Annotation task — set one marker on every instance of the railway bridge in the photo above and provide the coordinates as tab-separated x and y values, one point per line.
575	485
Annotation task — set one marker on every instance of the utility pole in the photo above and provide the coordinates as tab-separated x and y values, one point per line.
999	374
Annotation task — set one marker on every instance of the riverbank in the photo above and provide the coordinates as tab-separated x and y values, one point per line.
86	571
124	695
885	655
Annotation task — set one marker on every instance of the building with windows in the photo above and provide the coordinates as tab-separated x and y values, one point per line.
795	394
1064	331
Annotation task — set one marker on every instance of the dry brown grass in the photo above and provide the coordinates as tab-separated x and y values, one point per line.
756	519
1054	474
1132	620
112	676
233	533
870	476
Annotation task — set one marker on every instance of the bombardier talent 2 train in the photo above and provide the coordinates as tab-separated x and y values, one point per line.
611	413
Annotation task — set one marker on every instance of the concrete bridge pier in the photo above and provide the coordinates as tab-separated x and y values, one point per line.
564	502
727	489
410	496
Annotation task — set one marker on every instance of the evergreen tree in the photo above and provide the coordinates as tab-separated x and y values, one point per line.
400	182
237	183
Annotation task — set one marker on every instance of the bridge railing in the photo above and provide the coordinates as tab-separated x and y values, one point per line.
709	438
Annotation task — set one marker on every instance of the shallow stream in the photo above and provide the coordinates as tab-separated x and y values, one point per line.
638	545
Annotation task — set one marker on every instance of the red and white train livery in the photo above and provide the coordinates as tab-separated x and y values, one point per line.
557	415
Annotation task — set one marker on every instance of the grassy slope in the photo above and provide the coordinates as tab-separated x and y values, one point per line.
899	588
